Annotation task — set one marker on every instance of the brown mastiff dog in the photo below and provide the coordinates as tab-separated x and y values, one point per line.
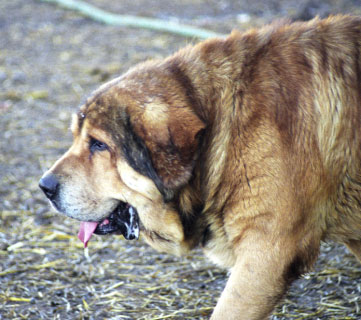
249	146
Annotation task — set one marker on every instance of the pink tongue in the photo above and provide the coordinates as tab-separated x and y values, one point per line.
86	231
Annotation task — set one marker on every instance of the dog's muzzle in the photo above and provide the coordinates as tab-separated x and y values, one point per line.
122	220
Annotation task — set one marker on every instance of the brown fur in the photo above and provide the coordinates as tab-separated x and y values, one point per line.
249	145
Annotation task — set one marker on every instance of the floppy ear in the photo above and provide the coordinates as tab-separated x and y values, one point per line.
176	159
172	137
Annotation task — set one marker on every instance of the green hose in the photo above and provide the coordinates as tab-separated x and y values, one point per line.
134	21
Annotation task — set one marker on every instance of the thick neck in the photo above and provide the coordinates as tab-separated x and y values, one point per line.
206	76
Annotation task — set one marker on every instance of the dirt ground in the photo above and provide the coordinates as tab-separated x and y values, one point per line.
50	60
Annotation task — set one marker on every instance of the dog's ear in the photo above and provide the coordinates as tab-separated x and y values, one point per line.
182	148
172	136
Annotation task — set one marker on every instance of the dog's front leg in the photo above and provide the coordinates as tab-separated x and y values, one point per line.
259	278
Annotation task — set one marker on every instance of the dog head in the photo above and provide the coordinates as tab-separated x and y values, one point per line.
135	145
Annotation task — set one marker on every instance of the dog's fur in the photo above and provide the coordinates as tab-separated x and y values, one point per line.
249	146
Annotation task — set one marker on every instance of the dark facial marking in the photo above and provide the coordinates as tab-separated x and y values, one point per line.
138	157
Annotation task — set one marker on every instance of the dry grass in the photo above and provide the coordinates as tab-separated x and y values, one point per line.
46	274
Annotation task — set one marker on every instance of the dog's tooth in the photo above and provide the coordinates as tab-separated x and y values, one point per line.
136	232
131	211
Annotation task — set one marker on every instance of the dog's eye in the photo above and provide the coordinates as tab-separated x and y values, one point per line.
96	145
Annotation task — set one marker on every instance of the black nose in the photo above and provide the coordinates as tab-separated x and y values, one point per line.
49	184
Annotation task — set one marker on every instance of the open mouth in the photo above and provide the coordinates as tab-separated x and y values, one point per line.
123	220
